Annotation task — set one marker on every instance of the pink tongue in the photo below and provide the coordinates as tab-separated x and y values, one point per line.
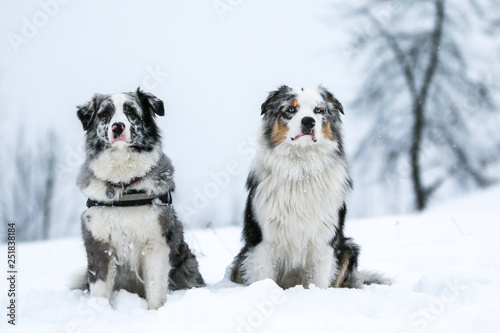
313	137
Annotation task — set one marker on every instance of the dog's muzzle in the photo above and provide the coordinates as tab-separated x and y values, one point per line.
117	129
308	124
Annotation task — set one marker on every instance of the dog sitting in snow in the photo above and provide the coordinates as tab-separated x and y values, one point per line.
298	185
132	236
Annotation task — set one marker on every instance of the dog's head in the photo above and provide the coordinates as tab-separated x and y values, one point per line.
302	117
125	120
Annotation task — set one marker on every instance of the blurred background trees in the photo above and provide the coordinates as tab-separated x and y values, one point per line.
431	121
28	194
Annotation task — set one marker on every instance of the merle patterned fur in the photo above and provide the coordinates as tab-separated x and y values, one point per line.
146	137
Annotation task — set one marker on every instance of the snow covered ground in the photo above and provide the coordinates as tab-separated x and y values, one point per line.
445	265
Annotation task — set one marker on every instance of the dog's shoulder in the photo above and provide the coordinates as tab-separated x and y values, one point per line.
252	180
162	174
85	176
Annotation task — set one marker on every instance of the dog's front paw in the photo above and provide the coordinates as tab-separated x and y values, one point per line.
156	304
100	289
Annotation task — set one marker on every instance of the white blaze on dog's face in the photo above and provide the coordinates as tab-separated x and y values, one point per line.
307	111
119	125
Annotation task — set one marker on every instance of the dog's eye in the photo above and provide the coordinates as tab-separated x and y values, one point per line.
130	114
292	109
105	114
319	110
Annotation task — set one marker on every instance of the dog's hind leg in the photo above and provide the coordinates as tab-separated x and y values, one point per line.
101	269
342	271
347	253
185	272
103	287
236	267
156	268
348	275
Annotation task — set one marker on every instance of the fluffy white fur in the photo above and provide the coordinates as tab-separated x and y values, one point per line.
118	164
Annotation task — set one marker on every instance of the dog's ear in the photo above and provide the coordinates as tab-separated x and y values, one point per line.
332	102
86	112
273	97
151	102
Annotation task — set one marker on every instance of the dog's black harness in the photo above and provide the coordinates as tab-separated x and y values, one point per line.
131	198
135	198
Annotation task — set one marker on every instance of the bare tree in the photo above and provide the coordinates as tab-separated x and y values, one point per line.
47	190
427	107
494	15
29	191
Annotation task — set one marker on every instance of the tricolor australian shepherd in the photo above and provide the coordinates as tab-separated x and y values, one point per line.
132	236
298	185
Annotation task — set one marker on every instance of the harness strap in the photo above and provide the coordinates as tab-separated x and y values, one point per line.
134	199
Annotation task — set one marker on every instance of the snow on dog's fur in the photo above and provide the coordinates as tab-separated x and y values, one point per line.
139	248
298	185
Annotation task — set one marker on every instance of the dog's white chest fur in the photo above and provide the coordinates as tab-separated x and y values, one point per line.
118	164
131	231
296	204
297	212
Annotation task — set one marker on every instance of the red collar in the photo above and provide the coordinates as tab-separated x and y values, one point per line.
125	185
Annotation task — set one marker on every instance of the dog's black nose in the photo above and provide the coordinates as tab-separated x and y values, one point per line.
118	128
308	122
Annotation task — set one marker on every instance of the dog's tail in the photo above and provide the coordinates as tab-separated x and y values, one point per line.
371	277
79	281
